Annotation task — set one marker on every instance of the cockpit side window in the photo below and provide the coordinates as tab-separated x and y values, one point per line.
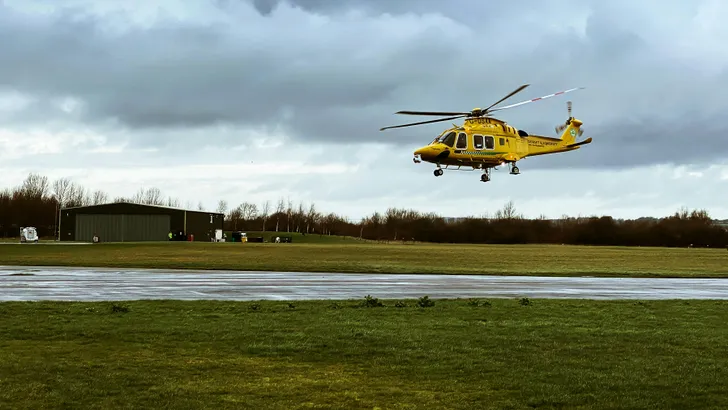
449	139
462	141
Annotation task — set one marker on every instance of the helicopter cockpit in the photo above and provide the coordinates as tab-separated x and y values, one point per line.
447	138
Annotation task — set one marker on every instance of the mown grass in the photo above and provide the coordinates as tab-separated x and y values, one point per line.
268	236
297	237
499	354
383	258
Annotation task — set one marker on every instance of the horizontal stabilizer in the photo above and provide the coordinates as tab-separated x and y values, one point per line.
576	144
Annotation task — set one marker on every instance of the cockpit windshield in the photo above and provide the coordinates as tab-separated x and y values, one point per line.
438	138
447	138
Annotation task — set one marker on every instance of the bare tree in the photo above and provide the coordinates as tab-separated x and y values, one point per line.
138	198
289	213
28	202
508	212
60	190
264	211
172	202
200	206
279	211
310	217
149	196
153	196
100	197
222	206
300	214
35	186
234	217
76	196
248	211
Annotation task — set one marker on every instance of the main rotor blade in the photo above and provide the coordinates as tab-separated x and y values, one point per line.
423	122
536	99
437	113
514	92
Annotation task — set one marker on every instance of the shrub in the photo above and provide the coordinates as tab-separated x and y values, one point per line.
425	301
115	308
370	301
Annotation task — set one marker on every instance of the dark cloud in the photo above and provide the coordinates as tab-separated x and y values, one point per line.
337	78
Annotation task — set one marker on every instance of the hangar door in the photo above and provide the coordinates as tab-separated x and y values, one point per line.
122	228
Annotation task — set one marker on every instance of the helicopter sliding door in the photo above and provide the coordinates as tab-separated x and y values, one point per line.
480	143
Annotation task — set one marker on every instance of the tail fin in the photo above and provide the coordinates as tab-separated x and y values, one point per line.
573	128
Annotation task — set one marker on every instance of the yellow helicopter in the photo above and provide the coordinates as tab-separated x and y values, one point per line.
484	142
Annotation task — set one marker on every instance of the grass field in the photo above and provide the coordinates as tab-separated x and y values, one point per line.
546	354
355	256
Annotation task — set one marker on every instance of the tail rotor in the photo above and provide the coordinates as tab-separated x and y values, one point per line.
561	127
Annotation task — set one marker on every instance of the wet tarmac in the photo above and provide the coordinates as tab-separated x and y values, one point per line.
100	284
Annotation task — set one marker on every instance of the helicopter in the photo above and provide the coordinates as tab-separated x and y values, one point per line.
484	142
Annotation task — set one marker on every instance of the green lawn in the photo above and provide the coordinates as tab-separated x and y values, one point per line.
549	354
383	258
296	237
267	236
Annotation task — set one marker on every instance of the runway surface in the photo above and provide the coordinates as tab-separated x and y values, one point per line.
99	284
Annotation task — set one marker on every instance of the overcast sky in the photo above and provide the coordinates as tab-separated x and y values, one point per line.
262	99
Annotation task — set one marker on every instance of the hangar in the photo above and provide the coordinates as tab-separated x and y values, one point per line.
131	222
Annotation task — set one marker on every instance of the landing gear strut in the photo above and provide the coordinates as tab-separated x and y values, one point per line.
486	175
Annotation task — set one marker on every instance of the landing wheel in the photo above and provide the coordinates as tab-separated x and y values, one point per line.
486	175
515	170
438	172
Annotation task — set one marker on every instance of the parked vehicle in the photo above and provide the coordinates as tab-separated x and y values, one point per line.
28	234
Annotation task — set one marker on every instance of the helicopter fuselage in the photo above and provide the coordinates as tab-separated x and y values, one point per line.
489	142
484	142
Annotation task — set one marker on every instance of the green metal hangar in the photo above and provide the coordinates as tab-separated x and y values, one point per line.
130	222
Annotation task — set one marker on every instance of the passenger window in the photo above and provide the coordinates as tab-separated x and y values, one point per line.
462	141
449	139
503	141
478	141
489	142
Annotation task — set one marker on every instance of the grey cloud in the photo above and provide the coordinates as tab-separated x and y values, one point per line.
180	76
462	10
265	7
336	87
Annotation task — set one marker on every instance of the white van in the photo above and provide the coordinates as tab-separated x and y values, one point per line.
28	234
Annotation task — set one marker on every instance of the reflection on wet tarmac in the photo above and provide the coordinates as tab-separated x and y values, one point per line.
96	284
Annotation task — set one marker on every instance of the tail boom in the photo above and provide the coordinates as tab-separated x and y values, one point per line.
540	145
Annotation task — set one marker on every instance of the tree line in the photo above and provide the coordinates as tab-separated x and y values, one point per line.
37	201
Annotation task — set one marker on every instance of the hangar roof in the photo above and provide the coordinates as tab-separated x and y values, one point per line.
140	205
